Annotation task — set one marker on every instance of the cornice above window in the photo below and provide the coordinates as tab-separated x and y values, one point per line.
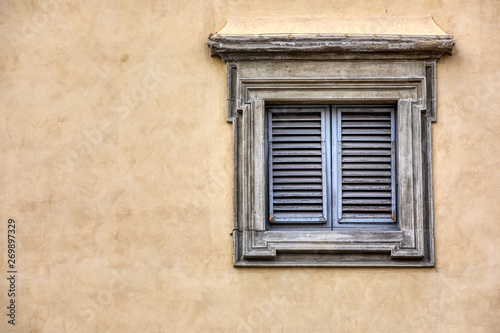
421	40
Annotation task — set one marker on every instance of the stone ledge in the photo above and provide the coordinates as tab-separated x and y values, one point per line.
330	47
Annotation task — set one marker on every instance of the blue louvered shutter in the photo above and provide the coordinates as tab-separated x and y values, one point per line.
367	165
297	165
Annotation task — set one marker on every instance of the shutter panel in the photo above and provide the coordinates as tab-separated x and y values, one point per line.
367	165
297	165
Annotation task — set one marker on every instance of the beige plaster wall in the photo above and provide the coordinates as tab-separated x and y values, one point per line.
115	162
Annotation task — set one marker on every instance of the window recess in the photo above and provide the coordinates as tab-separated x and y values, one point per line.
331	166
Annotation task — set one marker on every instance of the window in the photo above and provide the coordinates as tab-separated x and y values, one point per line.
331	166
332	146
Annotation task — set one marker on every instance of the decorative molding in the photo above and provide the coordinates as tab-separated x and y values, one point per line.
255	246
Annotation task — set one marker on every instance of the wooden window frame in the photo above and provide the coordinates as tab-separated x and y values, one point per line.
403	76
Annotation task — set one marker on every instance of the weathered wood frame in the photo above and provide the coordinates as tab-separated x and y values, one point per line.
410	84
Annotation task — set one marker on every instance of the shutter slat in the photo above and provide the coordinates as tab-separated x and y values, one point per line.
367	111
290	201
277	152
367	118
278	194
349	208
294	207
303	216
369	173
371	145
294	166
365	124
347	151
363	166
369	138
366	201
305	187
297	159
297	166
366	187
366	194
367	180
295	145
366	215
278	117
296	124
298	180
302	173
372	159
365	131
304	138
366	163
296	131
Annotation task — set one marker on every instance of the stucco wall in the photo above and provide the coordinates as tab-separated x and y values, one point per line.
116	165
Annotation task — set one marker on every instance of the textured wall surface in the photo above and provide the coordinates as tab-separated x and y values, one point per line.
116	162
